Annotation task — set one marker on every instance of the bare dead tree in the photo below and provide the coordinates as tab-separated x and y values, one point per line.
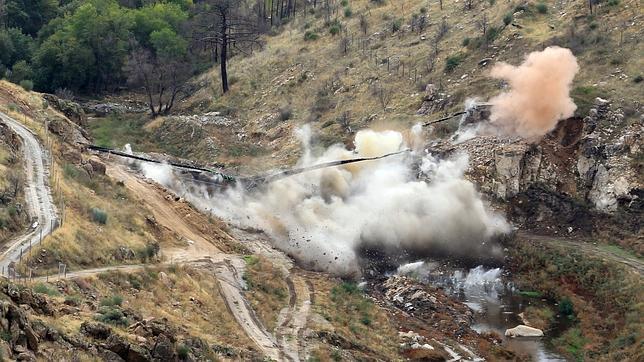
227	25
364	24
384	95
345	121
345	43
483	24
162	79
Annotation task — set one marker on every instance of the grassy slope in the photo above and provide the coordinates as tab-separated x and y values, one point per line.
293	81
81	242
181	296
13	218
606	299
319	83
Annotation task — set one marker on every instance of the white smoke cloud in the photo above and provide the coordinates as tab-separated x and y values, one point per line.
326	218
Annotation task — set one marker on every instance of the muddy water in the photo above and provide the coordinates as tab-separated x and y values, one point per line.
493	299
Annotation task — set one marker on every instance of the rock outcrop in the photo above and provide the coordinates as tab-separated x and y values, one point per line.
70	109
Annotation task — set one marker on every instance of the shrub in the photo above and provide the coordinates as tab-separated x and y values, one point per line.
395	25
334	29
542	8
638	79
27	85
566	308
113	316
21	71
285	113
45	289
115	300
99	216
182	351
466	42
311	35
507	19
453	62
348	12
345	2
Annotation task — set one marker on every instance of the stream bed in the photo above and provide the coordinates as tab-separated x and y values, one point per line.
494	300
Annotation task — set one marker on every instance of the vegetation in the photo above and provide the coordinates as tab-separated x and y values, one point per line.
267	291
601	298
45	289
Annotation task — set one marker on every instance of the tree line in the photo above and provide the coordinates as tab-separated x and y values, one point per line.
97	46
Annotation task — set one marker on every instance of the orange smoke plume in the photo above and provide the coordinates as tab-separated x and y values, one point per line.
539	94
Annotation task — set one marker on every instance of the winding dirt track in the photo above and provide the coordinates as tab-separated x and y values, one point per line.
631	262
228	268
40	204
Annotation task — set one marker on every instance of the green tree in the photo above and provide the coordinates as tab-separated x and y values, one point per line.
21	71
30	15
87	50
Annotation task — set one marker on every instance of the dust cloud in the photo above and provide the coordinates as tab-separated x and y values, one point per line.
329	219
539	94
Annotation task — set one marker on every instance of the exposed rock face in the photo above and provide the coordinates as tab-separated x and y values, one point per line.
523	331
433	100
71	110
67	131
589	160
105	109
7	136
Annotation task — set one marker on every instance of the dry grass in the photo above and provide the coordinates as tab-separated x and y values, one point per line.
319	82
267	289
342	309
80	242
187	297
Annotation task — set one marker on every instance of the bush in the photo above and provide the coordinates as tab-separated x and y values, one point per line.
453	62
285	113
345	2
466	42
348	13
507	19
182	351
111	315
99	216
566	308
311	35
115	300
638	79
45	289
27	85
395	25
335	29
21	71
542	8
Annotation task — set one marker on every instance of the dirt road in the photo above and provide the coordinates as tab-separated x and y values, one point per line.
38	197
598	250
228	268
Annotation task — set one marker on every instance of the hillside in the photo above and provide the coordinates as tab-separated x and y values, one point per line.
430	252
381	80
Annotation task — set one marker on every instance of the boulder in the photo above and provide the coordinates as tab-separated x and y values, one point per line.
71	110
96	330
98	166
523	331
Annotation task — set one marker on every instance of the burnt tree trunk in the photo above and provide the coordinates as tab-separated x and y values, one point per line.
224	53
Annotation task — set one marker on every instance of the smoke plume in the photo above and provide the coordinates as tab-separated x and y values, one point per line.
329	219
539	93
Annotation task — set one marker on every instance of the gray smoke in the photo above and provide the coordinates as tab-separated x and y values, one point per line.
326	218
